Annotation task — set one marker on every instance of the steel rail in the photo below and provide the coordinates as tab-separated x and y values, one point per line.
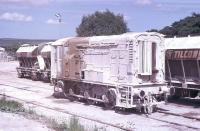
175	114
66	112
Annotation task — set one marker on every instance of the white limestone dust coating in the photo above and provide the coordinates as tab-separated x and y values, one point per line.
34	61
121	71
183	66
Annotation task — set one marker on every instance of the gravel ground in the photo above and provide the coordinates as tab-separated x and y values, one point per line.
13	122
40	93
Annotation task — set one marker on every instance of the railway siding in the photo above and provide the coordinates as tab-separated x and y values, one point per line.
38	96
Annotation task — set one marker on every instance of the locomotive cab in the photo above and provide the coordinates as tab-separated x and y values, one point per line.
59	50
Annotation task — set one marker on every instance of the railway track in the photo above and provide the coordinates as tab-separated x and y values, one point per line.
98	121
175	123
66	112
19	82
174	114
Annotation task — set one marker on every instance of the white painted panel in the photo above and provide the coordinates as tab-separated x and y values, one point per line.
99	76
182	43
114	69
59	60
114	56
106	75
145	58
122	73
94	76
53	62
123	56
41	62
86	75
98	61
106	60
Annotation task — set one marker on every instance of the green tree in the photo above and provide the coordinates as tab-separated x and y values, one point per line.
153	30
188	26
102	23
169	31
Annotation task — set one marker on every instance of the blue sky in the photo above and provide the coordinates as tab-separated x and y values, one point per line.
35	19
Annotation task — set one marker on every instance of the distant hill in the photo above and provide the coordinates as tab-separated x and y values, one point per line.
12	41
12	44
188	26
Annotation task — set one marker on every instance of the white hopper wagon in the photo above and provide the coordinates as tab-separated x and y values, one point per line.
183	66
34	61
27	57
44	60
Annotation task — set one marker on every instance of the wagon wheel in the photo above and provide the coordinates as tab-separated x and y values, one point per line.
20	75
34	76
70	95
59	89
110	98
43	77
87	96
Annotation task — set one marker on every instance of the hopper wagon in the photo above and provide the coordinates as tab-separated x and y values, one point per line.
34	61
183	66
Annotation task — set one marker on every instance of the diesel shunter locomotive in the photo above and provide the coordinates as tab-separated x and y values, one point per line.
121	71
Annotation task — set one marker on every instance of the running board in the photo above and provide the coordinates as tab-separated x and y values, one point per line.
89	98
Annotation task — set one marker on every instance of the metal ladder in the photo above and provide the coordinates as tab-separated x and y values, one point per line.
125	97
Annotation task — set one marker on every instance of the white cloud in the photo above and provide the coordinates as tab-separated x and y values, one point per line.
52	21
143	2
30	2
127	18
15	17
173	6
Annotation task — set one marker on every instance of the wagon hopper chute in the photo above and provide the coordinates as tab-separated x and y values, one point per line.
27	57
44	60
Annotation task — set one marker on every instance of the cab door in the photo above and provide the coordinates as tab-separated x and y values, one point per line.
119	65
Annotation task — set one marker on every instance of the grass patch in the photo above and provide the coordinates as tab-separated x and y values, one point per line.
15	107
10	106
72	125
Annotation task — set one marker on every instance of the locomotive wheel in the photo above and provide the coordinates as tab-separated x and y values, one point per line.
58	89
70	97
43	77
86	96
35	76
193	93
20	75
106	101
110	98
90	102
